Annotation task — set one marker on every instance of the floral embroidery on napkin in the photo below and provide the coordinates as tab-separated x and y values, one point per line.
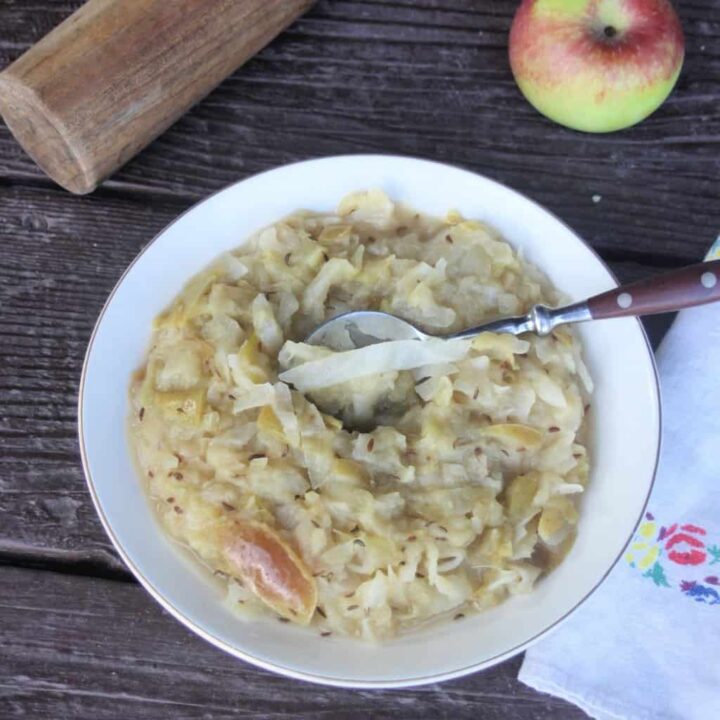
677	556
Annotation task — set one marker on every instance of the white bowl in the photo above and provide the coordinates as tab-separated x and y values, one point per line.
624	446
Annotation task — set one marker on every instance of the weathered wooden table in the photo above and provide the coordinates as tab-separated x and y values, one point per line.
78	637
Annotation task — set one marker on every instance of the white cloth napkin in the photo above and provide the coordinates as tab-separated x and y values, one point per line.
646	644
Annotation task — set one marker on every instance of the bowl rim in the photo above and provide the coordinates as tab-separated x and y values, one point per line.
278	668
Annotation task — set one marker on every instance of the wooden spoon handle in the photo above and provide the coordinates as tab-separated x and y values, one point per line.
117	73
693	285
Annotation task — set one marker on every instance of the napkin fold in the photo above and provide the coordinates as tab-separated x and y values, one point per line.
646	644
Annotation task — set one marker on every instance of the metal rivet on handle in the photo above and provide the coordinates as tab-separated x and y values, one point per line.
624	300
708	279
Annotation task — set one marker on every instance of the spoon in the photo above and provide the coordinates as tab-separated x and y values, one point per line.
675	290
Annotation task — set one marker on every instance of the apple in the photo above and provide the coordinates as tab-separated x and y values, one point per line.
596	65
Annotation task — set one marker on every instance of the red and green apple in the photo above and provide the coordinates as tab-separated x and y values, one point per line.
596	65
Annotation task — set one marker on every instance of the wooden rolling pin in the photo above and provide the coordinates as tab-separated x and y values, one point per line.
117	73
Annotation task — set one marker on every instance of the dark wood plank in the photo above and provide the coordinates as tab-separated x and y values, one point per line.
432	79
62	257
62	657
425	78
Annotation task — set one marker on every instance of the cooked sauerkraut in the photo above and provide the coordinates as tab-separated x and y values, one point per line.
369	502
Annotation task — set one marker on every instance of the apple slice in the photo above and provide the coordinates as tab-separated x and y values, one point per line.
269	567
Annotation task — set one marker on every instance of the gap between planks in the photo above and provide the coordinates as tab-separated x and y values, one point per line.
86	648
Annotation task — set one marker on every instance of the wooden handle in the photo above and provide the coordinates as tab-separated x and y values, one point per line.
693	285
117	73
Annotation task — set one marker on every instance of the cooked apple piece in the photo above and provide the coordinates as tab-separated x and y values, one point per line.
520	494
272	570
268	424
557	518
251	361
187	406
514	435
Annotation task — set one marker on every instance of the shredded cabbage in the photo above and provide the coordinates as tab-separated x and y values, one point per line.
366	492
341	367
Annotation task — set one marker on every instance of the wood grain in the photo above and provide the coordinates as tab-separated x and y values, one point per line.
83	648
116	73
432	79
63	258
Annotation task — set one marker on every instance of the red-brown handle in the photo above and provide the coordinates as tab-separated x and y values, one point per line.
693	285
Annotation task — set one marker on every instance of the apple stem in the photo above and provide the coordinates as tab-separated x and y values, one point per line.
610	31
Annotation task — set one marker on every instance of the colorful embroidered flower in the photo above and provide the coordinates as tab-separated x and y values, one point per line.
657	574
683	546
643	551
700	593
714	551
